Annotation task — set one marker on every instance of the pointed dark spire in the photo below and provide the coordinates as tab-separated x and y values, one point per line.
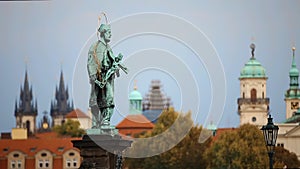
61	105
26	84
21	91
27	105
30	92
36	107
26	98
61	82
16	107
56	92
67	93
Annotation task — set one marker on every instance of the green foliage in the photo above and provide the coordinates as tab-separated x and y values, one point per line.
243	148
285	158
187	154
69	128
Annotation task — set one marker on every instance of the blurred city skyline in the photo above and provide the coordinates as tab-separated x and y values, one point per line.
47	37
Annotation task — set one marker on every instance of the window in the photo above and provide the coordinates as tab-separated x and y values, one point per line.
16	155
60	148
47	163
19	163
5	149
28	126
44	154
263	95
13	164
280	145
253	119
253	94
44	164
71	163
74	162
32	149
68	163
40	163
43	160
71	159
15	160
243	95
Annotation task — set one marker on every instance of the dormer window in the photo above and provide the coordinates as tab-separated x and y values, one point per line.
16	160
60	149
71	159
44	159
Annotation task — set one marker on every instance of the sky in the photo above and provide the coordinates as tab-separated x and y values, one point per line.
195	48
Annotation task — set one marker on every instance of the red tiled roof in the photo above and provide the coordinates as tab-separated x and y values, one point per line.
46	141
220	131
46	135
77	113
135	121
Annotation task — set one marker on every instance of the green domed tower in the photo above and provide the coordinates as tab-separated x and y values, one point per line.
253	105
253	69
135	101
292	95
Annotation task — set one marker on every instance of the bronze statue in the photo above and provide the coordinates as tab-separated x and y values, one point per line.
102	67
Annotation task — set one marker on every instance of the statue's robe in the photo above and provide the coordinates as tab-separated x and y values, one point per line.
100	60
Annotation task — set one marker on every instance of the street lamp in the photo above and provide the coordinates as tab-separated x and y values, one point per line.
270	133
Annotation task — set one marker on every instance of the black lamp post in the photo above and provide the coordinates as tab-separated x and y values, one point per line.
270	133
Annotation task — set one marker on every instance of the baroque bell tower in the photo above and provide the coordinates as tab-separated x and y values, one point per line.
253	105
292	95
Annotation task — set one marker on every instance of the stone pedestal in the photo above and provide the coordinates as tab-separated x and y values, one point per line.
102	151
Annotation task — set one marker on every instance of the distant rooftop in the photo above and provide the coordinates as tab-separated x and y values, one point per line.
77	113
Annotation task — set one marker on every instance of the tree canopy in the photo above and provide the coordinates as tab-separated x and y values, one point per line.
242	148
285	158
69	128
187	154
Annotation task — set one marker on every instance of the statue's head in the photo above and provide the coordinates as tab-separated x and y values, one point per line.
105	32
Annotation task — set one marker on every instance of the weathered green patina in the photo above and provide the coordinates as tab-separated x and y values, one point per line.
102	67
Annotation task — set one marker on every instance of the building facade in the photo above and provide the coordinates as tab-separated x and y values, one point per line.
44	151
